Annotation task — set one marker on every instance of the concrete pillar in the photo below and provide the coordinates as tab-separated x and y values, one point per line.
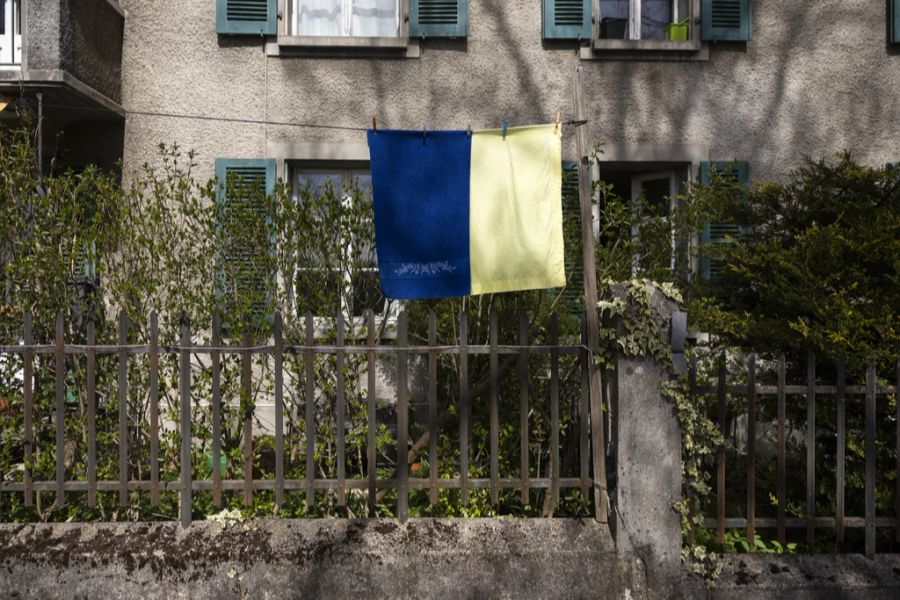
647	445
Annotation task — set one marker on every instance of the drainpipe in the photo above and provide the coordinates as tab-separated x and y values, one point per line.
40	138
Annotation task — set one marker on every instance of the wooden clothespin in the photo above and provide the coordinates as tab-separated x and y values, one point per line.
374	125
558	121
505	128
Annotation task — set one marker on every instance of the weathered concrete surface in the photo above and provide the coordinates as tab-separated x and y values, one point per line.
81	37
647	458
835	577
426	558
648	464
816	78
447	558
91	50
41	38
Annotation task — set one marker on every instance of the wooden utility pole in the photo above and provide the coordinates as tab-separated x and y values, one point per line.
598	442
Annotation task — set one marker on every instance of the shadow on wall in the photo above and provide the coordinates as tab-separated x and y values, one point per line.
811	82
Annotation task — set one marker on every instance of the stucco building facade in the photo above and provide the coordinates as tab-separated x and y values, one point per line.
811	80
787	80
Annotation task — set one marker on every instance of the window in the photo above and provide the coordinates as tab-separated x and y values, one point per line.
10	32
647	29
651	190
389	28
645	20
338	271
345	18
653	201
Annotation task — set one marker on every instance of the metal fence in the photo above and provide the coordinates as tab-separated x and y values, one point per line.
811	389
277	350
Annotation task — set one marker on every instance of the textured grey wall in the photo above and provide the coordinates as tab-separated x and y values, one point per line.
647	442
92	45
83	37
426	558
814	80
41	35
318	558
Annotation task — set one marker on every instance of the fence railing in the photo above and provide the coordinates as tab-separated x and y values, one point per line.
276	349
810	390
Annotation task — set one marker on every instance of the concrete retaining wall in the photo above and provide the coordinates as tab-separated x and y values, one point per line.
478	558
426	558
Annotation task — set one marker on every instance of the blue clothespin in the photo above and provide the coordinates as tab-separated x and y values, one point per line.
505	128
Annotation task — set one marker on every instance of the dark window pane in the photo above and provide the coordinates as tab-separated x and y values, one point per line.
614	19
367	293
656	197
319	292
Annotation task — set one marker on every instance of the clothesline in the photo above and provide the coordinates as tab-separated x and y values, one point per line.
172	115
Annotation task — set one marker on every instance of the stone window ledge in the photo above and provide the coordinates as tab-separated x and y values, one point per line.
353	47
645	50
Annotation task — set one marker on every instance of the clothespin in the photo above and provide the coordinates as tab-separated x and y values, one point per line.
558	123
423	130
469	130
505	128
374	125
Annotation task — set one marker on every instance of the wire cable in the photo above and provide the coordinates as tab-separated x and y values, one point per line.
171	115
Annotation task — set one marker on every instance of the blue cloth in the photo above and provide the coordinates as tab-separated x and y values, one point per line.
420	186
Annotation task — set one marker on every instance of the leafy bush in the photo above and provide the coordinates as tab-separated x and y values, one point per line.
817	267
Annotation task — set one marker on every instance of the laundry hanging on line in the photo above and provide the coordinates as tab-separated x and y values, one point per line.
459	214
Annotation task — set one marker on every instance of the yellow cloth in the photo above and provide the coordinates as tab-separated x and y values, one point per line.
515	211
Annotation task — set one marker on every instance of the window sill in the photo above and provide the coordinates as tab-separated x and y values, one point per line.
390	47
385	324
645	50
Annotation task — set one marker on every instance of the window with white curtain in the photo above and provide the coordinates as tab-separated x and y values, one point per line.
641	19
10	32
346	18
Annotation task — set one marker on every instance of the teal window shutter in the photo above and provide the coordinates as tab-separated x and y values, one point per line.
567	19
725	20
738	172
246	17
85	264
438	18
243	186
894	21
573	294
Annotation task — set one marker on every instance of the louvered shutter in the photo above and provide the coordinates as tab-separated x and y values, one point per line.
246	17
84	269
725	20
894	21
567	19
244	185
81	256
738	172
573	294
438	18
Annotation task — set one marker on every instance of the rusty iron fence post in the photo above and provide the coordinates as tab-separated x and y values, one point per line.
185	423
